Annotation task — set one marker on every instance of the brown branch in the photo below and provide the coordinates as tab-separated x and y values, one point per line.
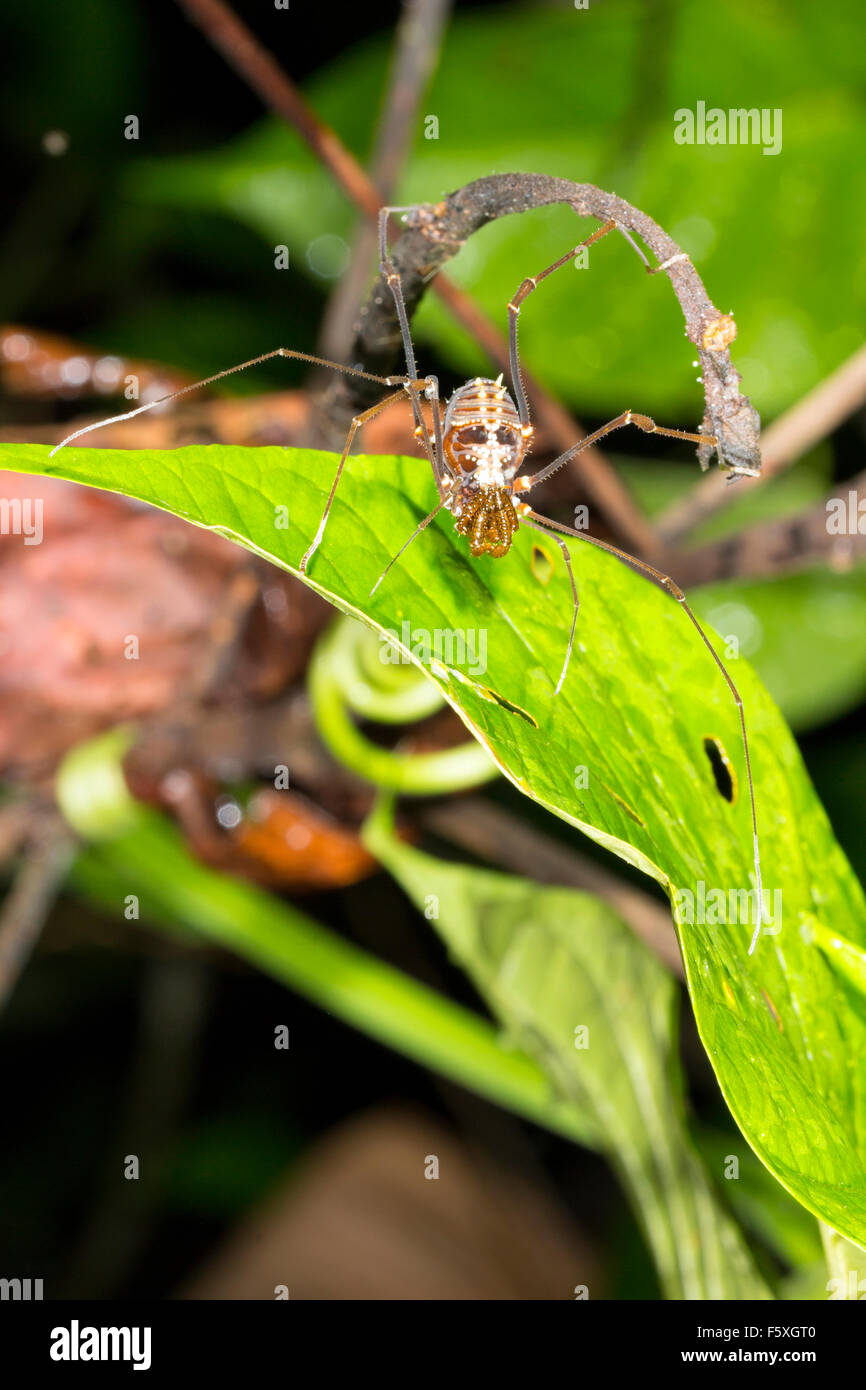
436	233
417	44
30	898
779	546
495	835
786	440
16	822
259	70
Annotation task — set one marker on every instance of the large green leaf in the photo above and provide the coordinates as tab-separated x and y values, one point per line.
785	1034
596	94
583	995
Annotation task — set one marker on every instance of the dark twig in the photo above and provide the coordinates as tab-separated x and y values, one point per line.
493	834
436	233
779	546
416	52
17	818
786	440
258	68
30	898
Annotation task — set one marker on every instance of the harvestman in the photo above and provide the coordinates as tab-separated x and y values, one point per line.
475	453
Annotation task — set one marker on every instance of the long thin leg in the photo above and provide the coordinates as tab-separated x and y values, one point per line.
531	283
526	288
444	474
628	417
665	582
230	371
576	597
386	265
356	424
405	546
435	455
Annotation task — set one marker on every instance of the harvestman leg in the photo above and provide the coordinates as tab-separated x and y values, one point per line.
411	385
643	422
422	526
665	582
444	480
442	472
533	281
628	417
434	450
230	371
356	424
406	384
574	594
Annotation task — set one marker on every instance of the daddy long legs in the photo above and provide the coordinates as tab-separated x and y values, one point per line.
475	450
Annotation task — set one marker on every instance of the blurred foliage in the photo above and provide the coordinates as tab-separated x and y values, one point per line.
223	1165
577	989
803	632
657	485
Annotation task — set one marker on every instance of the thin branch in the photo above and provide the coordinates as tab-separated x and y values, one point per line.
786	440
417	45
780	546
259	70
30	899
436	233
16	822
495	835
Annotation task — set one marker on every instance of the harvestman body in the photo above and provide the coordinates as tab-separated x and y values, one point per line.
475	454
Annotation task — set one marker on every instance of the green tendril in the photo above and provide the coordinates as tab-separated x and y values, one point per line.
343	679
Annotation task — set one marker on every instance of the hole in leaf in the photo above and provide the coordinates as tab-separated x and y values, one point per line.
723	769
508	705
542	565
449	673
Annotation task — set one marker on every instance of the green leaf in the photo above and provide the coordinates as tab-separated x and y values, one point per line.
579	992
784	1036
846	1265
758	1201
849	960
597	96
